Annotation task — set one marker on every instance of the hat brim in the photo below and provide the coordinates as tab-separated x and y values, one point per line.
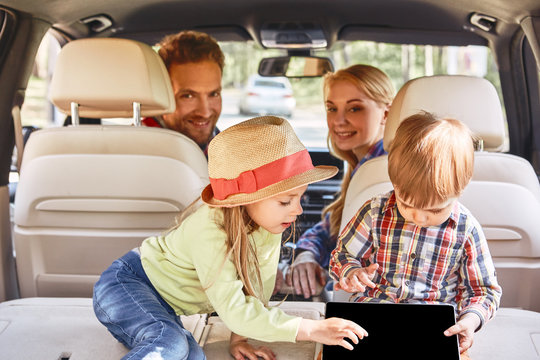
318	173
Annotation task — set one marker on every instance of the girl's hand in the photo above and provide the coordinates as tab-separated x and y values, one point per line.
464	328
358	279
332	331
240	349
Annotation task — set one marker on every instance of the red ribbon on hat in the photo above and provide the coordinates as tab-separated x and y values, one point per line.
251	181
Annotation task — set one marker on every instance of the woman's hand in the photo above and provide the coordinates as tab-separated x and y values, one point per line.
332	331
306	277
279	282
240	349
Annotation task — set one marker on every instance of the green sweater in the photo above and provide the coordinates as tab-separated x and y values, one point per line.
184	262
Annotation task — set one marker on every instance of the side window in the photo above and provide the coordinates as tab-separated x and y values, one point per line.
532	73
37	110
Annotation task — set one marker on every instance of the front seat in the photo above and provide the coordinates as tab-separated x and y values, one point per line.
504	193
89	193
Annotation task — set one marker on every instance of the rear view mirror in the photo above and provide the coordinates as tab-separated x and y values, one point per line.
295	66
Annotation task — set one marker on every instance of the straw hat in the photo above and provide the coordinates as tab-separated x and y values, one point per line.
257	159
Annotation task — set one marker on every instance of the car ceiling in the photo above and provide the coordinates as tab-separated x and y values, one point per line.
148	20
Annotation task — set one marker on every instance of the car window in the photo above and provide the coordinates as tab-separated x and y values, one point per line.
37	110
269	83
400	62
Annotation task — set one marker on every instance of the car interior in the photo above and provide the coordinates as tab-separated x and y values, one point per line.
86	194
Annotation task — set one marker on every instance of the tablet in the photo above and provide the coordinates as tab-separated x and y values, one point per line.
397	331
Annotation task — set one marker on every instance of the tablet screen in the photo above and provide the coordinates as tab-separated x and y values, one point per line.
397	331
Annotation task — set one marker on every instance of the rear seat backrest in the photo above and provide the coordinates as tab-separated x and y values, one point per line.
89	193
504	193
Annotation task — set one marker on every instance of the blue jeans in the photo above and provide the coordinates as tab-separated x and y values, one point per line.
136	315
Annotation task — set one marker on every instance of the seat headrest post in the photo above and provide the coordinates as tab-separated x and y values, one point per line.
137	113
479	145
75	114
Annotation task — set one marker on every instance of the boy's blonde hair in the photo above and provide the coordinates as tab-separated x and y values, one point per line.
378	87
430	159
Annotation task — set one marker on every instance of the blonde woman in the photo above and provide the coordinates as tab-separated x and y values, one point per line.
223	256
357	100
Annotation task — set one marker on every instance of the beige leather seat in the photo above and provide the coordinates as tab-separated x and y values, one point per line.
504	193
89	193
67	328
64	328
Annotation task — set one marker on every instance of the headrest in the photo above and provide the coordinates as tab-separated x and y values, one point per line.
472	100
105	77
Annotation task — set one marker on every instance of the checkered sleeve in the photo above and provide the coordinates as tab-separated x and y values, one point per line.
353	244
480	293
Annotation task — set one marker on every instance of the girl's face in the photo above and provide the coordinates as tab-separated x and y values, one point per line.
277	213
433	215
355	122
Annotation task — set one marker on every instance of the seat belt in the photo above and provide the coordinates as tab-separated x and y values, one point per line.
17	126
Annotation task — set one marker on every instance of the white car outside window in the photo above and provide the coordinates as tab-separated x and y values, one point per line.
267	95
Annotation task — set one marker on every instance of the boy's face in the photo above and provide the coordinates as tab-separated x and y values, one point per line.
433	215
277	213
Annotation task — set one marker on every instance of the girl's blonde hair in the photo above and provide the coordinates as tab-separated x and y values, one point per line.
431	159
238	226
378	87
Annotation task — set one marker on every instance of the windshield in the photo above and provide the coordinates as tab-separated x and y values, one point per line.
400	62
304	107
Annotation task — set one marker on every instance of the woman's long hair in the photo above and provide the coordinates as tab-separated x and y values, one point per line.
378	87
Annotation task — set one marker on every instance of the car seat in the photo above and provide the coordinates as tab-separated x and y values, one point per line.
87	194
504	193
67	328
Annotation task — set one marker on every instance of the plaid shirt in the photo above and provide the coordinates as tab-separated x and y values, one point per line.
317	239
449	263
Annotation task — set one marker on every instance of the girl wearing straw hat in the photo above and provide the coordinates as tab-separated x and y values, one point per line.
222	256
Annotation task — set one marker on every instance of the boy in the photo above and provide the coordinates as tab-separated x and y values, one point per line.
417	243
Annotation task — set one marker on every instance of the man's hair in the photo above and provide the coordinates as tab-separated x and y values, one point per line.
378	87
430	159
190	47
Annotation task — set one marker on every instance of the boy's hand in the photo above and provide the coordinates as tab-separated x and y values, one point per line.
240	349
464	328
358	279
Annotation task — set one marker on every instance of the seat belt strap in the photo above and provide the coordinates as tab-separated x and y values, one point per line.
17	126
